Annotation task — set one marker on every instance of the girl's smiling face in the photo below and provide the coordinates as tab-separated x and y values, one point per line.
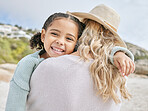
60	37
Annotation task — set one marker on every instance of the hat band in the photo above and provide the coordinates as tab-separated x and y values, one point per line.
111	26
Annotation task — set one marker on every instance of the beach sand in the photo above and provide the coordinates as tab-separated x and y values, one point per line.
137	85
138	88
3	94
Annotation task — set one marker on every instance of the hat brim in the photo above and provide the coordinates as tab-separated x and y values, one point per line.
82	15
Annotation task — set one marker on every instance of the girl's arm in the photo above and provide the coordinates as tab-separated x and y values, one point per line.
17	96
19	85
123	59
121	49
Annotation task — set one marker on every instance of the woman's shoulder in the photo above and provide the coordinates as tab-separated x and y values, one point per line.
63	58
63	61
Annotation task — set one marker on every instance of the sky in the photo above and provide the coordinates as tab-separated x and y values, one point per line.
33	13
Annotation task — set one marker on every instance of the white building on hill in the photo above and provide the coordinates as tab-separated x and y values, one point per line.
12	31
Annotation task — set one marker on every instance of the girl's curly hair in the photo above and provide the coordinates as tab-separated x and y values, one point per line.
36	42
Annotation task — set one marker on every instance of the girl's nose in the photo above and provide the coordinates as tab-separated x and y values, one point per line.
60	42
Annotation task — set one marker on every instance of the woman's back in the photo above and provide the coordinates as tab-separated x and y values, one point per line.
64	84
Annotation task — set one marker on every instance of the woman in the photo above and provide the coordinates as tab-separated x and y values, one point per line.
84	80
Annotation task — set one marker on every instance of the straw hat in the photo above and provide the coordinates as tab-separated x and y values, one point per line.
104	15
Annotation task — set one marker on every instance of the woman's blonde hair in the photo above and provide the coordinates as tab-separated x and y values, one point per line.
98	42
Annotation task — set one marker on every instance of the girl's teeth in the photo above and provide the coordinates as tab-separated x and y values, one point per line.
57	50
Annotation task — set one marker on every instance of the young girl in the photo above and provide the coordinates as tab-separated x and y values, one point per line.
55	39
72	84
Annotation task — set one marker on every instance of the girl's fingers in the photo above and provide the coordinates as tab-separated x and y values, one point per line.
123	67
117	64
126	67
130	69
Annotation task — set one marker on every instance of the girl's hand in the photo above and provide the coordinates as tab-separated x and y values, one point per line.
124	63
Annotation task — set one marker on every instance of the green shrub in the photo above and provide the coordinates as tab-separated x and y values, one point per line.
12	49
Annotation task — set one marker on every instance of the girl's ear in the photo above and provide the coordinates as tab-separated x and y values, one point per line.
43	35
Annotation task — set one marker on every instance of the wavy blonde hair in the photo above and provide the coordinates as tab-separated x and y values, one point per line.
97	42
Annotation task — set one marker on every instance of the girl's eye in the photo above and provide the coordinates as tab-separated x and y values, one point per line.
54	34
70	39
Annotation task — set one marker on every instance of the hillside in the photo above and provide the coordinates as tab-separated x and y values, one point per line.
13	49
15	31
141	58
139	53
14	43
